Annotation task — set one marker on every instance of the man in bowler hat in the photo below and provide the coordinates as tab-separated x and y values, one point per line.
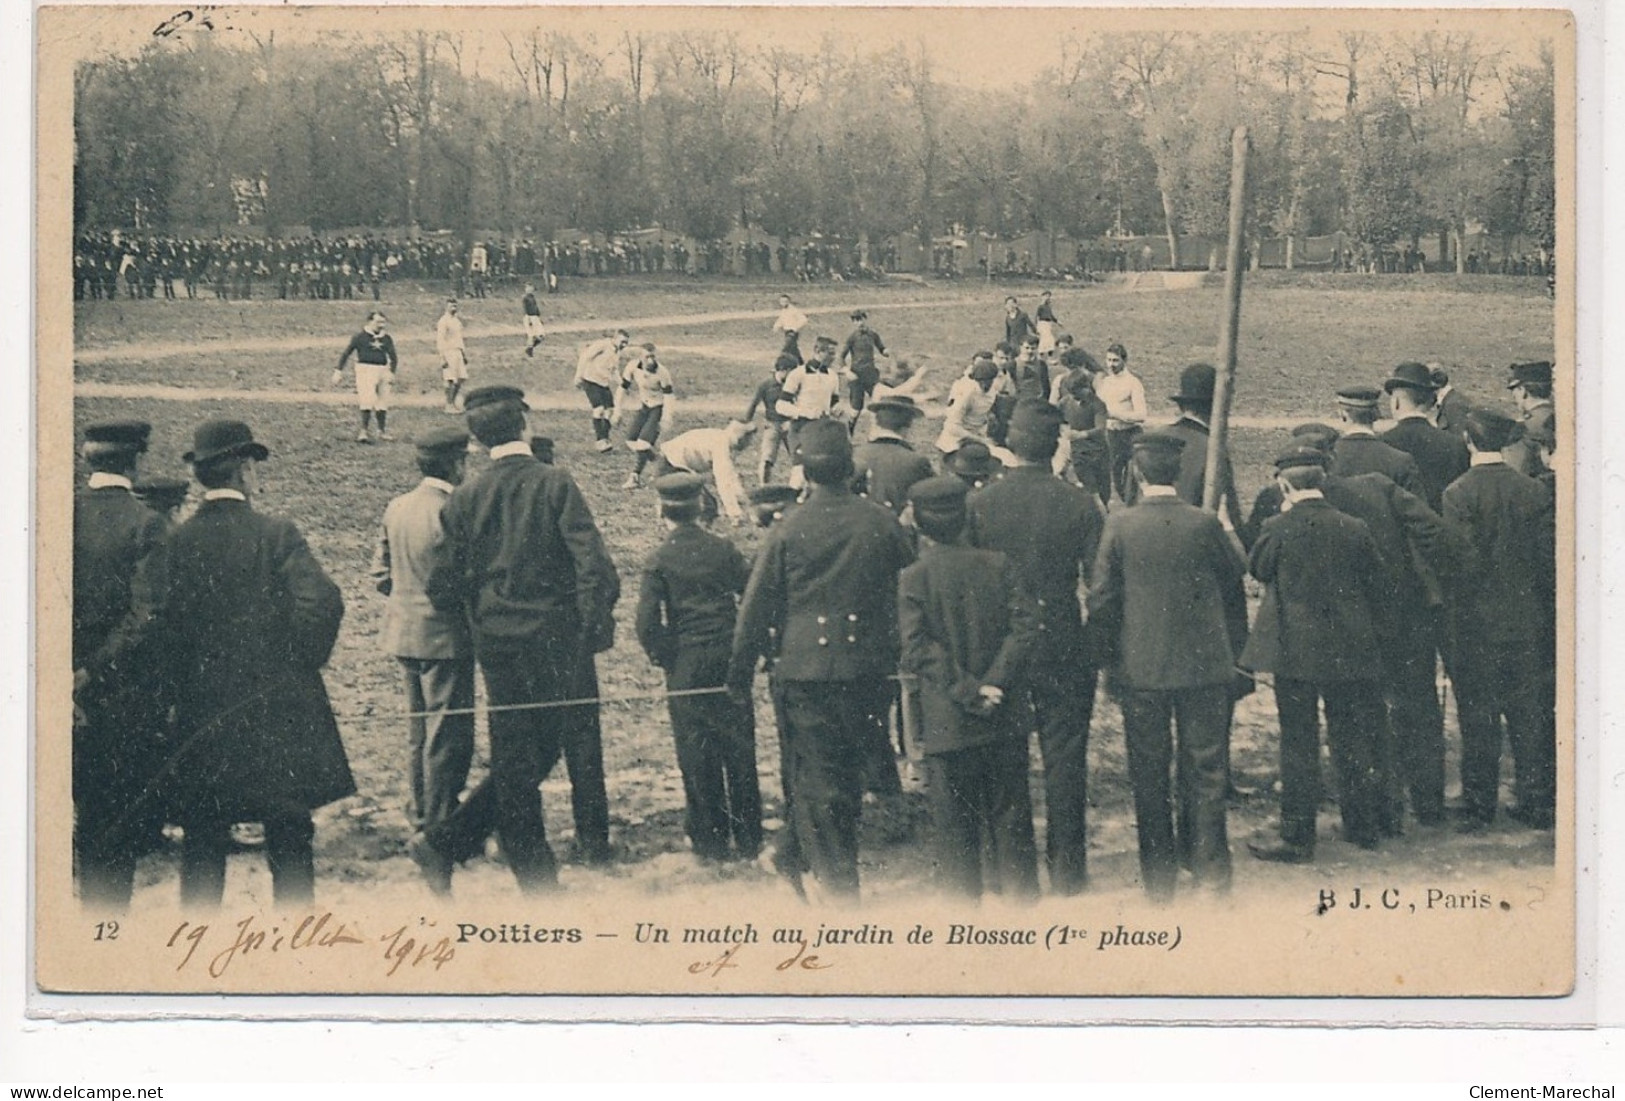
1167	602
249	619
118	577
887	465
1049	529
1440	457
524	561
1194	400
822	606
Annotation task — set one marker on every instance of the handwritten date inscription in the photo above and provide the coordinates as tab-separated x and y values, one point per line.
313	934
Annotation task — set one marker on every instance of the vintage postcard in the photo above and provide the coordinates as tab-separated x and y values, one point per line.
805	501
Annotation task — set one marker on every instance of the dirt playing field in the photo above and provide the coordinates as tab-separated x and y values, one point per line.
188	361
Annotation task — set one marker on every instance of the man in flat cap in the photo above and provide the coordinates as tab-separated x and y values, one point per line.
687	604
1502	614
1419	552
1359	451
888	464
524	561
1194	400
1049	529
118	579
1320	630
1440	457
1531	389
968	631
433	647
249	619
822	605
1167	602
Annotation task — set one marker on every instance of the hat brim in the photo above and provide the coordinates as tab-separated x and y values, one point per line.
252	449
896	407
1393	384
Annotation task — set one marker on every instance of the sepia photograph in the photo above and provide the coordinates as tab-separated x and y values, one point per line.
805	501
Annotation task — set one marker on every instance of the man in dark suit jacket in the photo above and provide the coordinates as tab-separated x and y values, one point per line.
249	619
1319	630
822	605
1049	529
1531	388
967	628
1195	401
887	465
1440	457
1502	611
1358	451
1451	405
1418	551
118	577
1168	601
524	561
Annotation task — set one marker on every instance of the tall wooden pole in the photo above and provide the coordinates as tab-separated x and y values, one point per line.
1229	324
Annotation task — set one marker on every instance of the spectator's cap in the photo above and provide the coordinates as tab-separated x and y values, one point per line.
860	315
110	436
1033	419
1161	443
982	368
481	396
1359	397
769	501
973	460
220	439
1539	371
897	403
1410	376
939	505
675	489
1315	434
164	493
1196	384
1439	374
1492	427
542	448
785	362
1298	453
824	441
438	441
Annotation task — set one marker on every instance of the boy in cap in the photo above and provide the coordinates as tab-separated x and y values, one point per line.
1166	603
775	426
968	630
1503	620
119	558
598	371
166	496
1320	630
432	647
1531	387
1049	529
686	609
821	603
653	383
249	619
375	366
1359	451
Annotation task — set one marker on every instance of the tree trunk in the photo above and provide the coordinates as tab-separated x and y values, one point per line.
1291	251
1172	234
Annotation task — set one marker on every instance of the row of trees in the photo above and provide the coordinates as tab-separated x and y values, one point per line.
1387	138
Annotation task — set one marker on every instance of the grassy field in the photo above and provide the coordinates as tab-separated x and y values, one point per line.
1312	337
1298	343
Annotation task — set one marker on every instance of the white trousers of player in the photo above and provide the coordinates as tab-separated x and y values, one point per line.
372	385
455	368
